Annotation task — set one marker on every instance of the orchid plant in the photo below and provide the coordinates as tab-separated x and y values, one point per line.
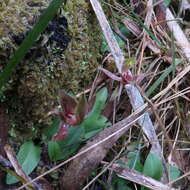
72	113
125	75
78	121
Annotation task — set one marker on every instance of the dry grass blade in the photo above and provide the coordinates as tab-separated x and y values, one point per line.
178	34
160	123
145	122
136	177
173	82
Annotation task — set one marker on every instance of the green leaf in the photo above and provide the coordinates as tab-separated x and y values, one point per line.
62	149
174	173
132	156
125	31
94	120
167	3
28	156
52	129
29	40
119	183
91	133
54	150
153	167
74	135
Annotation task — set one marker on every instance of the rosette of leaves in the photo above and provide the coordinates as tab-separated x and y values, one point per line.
78	122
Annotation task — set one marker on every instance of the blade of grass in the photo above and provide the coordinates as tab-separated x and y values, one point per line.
144	26
173	56
179	8
29	40
161	78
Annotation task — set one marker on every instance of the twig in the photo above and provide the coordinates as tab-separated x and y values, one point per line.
145	34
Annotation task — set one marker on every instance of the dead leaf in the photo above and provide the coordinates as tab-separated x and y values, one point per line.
133	26
160	11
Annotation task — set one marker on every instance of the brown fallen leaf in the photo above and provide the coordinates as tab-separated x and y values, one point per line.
160	12
133	26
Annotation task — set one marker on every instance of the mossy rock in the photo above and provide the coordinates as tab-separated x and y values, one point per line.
33	88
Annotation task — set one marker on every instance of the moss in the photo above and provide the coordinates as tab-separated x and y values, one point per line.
16	16
32	91
82	54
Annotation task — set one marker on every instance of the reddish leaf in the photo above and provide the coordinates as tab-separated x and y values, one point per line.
71	119
81	110
109	74
73	113
62	132
67	103
108	110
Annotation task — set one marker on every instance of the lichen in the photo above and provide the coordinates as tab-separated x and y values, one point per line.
33	88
